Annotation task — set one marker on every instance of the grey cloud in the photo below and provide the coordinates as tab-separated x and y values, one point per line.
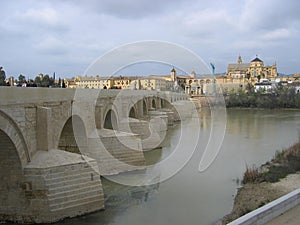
132	9
69	33
52	46
46	18
270	14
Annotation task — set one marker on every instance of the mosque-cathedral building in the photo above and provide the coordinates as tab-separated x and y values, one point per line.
254	69
237	77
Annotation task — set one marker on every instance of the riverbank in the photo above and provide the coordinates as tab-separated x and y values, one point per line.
273	180
279	98
252	196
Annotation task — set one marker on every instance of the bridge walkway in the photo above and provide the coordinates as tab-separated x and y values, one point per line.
290	217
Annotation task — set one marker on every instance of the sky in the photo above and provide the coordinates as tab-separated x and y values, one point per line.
67	36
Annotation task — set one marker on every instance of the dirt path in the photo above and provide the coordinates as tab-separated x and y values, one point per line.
291	217
289	183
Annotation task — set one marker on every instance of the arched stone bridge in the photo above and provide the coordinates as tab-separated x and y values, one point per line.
54	144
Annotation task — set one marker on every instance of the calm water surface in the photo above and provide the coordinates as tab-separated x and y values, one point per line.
191	197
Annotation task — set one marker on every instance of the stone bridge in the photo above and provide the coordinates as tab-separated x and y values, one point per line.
56	143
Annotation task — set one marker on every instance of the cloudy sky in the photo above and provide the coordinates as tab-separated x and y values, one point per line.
66	36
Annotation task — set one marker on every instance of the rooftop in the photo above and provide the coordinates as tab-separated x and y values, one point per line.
236	66
257	60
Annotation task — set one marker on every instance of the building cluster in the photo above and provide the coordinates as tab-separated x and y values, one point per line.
239	75
152	82
168	82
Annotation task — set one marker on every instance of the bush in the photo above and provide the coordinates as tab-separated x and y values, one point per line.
275	173
278	156
251	175
294	162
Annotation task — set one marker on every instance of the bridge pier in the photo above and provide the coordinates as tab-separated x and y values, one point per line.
44	129
120	152
60	184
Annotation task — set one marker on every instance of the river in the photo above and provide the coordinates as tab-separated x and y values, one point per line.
199	198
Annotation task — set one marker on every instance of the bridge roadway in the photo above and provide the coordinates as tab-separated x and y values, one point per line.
54	144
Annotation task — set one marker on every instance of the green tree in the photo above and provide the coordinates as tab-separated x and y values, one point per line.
63	84
2	77
46	81
51	81
249	88
21	79
248	75
38	81
258	77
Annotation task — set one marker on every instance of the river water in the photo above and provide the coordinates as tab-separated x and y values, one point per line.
199	198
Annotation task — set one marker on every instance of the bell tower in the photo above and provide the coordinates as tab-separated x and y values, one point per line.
193	75
173	74
240	61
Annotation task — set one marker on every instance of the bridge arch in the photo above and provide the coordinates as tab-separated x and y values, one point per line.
73	136
110	120
11	129
133	112
164	103
153	104
12	196
145	108
14	156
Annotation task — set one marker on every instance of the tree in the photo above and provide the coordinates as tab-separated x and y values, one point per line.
42	80
21	79
51	81
38	81
248	75
2	77
258	77
249	88
63	84
46	81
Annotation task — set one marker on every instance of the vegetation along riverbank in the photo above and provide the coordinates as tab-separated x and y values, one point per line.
281	97
272	180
